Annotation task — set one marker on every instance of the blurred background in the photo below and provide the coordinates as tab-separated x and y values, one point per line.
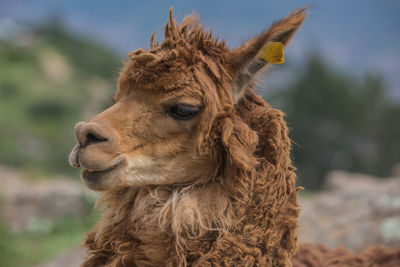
339	87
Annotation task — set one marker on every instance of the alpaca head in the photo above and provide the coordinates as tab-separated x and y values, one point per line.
174	116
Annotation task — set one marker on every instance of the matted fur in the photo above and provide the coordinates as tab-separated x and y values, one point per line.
245	212
241	212
320	256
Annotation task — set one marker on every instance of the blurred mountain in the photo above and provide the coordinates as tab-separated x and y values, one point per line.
49	79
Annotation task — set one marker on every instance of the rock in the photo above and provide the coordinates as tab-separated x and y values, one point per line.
357	211
345	181
27	205
396	170
71	258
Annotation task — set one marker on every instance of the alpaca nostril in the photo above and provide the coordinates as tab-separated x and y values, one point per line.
92	138
88	133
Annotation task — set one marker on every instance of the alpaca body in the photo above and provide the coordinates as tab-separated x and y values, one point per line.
193	166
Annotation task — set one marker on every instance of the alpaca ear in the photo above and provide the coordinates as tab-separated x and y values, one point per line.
246	60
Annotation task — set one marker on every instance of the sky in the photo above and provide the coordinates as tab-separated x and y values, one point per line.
357	36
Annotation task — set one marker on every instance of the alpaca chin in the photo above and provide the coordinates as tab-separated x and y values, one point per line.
100	180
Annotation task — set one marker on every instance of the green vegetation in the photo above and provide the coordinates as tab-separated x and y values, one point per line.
45	88
30	248
339	122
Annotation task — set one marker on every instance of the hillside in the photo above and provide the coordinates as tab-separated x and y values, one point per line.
49	80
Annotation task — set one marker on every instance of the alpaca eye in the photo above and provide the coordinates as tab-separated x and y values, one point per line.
183	111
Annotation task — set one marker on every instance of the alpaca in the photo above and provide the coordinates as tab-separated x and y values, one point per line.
193	167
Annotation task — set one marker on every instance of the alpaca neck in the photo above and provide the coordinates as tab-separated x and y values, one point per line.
163	218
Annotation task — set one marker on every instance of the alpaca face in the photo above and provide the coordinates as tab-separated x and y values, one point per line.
149	136
165	126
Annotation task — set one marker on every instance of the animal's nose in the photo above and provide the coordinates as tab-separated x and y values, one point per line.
88	133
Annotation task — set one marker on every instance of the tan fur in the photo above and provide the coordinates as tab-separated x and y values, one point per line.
215	190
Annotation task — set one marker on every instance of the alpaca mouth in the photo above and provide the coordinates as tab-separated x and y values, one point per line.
99	179
94	174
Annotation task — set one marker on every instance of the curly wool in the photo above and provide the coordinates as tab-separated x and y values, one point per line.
243	213
253	221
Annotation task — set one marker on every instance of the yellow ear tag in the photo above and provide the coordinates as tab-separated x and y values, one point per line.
272	52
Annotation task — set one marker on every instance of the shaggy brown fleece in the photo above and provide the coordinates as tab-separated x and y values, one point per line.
230	198
261	232
320	256
242	214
